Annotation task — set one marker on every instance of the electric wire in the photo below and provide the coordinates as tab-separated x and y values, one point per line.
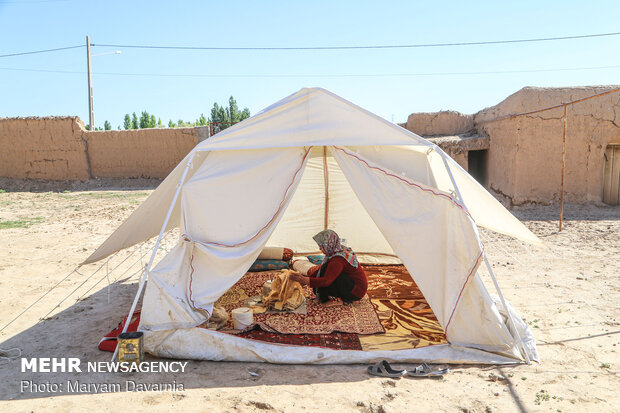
392	46
42	51
301	48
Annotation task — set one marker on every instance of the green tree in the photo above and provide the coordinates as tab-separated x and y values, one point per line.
152	122
145	120
232	112
159	124
106	125
202	120
171	124
218	114
134	121
127	122
225	117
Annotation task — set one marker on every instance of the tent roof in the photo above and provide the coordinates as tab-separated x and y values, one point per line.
312	117
317	117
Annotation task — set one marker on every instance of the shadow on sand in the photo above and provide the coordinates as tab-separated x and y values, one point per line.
76	331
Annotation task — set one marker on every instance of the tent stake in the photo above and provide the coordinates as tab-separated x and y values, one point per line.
145	274
520	345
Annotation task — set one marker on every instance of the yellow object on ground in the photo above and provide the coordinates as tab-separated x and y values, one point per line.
285	293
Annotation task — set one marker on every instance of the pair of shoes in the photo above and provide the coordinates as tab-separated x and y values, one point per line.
383	369
332	302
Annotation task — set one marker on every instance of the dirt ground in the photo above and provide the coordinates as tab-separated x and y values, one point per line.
568	292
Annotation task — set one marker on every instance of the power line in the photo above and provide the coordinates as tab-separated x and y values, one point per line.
23	2
42	51
400	46
315	75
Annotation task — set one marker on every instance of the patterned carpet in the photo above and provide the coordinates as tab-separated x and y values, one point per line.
359	317
408	320
391	281
336	341
396	301
407	323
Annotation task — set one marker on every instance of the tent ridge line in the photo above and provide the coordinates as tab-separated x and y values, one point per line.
450	198
473	270
272	218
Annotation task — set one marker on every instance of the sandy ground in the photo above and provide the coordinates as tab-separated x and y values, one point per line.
569	293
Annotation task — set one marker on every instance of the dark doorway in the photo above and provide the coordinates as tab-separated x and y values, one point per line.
477	166
611	179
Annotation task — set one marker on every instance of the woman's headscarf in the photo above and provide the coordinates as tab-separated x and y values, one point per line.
329	241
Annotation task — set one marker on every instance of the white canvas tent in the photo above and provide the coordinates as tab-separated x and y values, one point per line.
308	162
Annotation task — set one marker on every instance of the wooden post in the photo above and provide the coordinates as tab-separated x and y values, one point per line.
563	165
91	109
326	182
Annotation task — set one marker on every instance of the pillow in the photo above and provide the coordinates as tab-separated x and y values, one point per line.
266	265
276	253
302	266
316	259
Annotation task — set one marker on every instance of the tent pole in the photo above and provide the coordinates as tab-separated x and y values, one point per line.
326	181
520	345
144	276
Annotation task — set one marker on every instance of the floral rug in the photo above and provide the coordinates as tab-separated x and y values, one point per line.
336	341
359	317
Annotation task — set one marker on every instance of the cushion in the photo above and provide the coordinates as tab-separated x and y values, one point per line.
266	265
316	259
276	253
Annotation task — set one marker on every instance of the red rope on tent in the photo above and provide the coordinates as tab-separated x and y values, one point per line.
446	196
473	270
272	218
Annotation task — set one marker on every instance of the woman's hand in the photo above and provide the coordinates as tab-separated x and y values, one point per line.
299	278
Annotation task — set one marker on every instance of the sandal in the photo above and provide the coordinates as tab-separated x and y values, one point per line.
383	369
332	302
424	370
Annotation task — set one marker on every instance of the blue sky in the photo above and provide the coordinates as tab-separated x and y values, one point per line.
385	81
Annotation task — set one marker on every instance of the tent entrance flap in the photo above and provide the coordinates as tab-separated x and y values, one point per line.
324	196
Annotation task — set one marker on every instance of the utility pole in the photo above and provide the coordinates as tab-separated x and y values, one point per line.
91	110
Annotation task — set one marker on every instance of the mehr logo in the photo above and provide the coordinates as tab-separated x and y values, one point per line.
51	365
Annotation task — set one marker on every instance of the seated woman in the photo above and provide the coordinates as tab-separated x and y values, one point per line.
340	277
